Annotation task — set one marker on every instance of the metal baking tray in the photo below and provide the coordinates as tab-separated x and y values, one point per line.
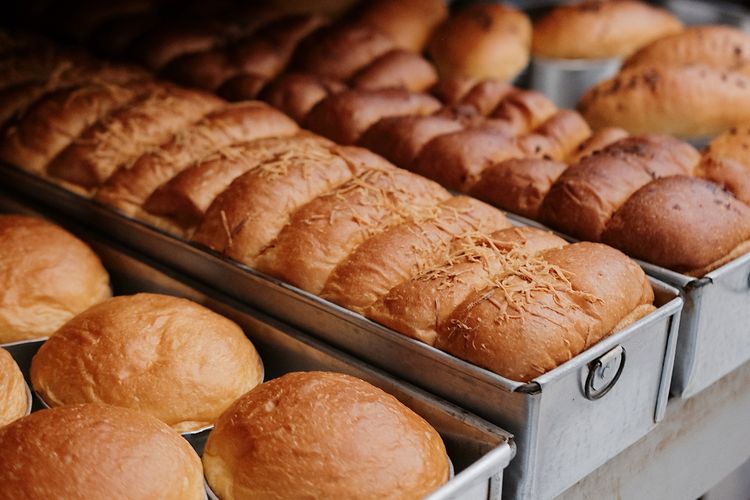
562	431
478	450
714	337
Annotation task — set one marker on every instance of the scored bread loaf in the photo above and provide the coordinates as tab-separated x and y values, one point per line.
726	161
682	223
600	29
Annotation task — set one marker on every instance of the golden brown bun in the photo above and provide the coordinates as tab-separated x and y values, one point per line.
586	195
47	276
486	95
340	51
322	233
598	140
168	357
246	217
129	132
344	117
129	187
361	442
186	197
399	139
419	305
456	160
557	137
96	451
408	24
396	69
726	162
544	310
205	70
242	87
524	110
518	185
399	253
296	93
600	29
482	41
14	398
687	101
450	90
682	223
54	121
717	46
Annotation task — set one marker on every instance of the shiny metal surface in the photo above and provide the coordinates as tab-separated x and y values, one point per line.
566	80
546	415
478	450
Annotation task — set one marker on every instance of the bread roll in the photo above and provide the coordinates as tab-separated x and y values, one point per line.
344	117
205	70
168	357
482	41
518	185
399	253
419	305
682	223
242	87
586	195
727	161
96	451
340	51
296	93
47	276
400	138
456	160
718	46
185	198
129	187
408	24
557	137
450	90
598	140
396	69
686	101
524	110
55	120
487	95
126	134
160	46
14	397
540	312
322	233
360	442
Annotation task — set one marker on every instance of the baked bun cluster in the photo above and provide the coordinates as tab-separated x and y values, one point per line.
337	221
47	276
14	395
296	436
165	356
693	84
600	29
96	451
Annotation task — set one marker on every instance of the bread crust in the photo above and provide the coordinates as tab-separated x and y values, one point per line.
408	24
726	161
297	93
396	69
14	398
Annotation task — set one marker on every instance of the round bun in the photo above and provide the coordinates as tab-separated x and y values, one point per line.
165	356
14	398
322	435
47	276
482	41
600	29
96	451
408	24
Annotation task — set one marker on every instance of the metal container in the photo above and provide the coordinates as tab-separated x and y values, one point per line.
692	12
562	421
714	337
478	450
566	80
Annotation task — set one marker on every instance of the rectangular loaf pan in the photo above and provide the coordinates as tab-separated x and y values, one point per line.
714	337
479	450
562	435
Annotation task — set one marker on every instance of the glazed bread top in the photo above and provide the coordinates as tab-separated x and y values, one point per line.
600	29
386	451
47	275
97	451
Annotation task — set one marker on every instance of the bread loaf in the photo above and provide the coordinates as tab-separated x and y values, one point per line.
362	442
47	276
600	29
598	140
242	87
726	161
297	93
482	41
168	357
396	69
486	95
129	187
557	137
685	224
524	110
586	195
96	451
408	24
14	397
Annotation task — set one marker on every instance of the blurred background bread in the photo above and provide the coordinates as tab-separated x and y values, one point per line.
47	276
